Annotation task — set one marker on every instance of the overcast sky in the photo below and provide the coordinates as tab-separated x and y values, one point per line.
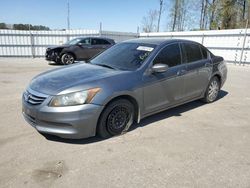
116	15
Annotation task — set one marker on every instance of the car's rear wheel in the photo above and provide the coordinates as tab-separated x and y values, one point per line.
116	118
67	59
212	90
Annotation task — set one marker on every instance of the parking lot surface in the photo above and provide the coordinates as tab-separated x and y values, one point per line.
194	145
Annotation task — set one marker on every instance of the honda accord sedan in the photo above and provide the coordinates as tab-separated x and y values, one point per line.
122	85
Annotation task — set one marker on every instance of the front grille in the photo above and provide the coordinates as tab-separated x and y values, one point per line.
33	99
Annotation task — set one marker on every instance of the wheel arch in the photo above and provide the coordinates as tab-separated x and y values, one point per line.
130	99
218	75
67	52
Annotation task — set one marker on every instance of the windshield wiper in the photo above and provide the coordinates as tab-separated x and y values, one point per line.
104	65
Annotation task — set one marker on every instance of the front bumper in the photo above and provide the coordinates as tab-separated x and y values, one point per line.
50	55
66	122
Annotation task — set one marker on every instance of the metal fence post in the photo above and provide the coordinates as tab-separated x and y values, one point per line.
202	39
100	29
243	45
32	45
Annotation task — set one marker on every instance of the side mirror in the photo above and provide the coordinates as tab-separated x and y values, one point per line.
159	68
79	44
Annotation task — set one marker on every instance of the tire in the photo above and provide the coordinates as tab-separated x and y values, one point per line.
58	62
212	90
116	118
67	59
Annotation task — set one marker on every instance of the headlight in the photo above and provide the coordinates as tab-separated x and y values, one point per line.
76	98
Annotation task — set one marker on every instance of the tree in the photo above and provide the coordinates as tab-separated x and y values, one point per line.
204	14
3	26
178	15
30	27
228	13
211	11
149	21
159	18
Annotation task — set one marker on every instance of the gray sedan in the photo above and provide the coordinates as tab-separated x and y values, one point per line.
124	84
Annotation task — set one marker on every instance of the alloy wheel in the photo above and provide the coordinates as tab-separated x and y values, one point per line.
213	90
68	59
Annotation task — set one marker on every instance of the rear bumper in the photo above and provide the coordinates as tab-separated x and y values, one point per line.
66	122
222	67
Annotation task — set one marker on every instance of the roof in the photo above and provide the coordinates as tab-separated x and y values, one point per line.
95	37
156	41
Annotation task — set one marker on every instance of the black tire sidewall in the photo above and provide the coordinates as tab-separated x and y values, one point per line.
102	129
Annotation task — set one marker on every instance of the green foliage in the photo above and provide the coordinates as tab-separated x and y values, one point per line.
3	26
209	14
30	27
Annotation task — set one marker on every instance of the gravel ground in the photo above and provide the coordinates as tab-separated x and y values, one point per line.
194	145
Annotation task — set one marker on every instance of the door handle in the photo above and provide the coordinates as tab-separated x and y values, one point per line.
181	72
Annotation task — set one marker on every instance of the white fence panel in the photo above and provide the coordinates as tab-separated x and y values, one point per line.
226	43
16	43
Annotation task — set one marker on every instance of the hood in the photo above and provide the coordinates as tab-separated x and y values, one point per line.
55	81
60	46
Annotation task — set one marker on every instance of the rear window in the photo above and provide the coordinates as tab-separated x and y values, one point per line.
193	52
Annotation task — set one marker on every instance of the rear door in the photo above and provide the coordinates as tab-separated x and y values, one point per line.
198	67
162	90
99	45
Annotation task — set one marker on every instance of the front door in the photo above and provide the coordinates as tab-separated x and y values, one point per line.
83	49
165	89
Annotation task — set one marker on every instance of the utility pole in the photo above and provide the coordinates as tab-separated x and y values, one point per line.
159	19
68	19
100	29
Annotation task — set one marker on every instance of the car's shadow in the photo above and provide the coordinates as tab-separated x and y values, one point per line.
177	111
58	64
55	64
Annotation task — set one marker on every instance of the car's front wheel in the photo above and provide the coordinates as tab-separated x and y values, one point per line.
116	118
212	90
67	59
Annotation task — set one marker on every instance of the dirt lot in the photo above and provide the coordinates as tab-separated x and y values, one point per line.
194	145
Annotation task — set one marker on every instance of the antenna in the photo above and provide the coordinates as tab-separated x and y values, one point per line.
68	19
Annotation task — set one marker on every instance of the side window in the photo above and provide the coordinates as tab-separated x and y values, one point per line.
170	55
105	42
85	41
94	42
193	52
204	53
99	42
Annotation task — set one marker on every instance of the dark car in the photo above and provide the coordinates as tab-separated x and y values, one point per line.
122	85
78	49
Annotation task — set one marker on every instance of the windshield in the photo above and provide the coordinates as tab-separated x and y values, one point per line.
74	41
124	56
